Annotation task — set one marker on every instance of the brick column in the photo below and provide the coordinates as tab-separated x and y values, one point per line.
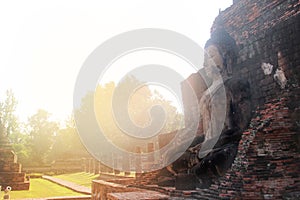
96	167
90	165
138	161
87	165
150	149
126	163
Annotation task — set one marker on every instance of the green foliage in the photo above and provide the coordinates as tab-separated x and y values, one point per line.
41	141
42	132
7	117
10	127
138	108
67	144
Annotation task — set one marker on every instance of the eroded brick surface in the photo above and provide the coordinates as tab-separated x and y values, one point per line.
10	171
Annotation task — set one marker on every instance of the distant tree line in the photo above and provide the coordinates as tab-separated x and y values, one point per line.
40	141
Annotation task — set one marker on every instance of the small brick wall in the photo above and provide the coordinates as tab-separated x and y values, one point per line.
101	188
10	171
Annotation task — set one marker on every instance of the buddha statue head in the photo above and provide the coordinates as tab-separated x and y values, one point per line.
220	53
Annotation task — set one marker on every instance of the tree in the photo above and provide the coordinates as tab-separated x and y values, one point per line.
21	146
67	144
174	119
7	117
138	108
42	132
11	128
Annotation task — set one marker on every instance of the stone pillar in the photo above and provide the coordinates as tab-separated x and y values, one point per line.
110	160
110	170
86	165
83	165
126	164
116	165
93	166
103	168
138	161
150	149
90	165
100	167
96	169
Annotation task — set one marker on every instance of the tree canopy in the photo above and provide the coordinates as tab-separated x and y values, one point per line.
41	140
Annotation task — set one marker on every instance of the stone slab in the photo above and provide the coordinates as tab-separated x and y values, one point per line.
145	195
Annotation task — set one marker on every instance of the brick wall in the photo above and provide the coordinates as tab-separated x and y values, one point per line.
100	189
265	31
268	161
268	164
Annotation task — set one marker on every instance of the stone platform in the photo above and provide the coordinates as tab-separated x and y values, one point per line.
10	171
145	195
109	190
105	190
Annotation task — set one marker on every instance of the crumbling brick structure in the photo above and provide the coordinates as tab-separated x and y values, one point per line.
268	163
10	171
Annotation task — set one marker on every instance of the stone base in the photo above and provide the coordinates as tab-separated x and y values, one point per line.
6	177
145	195
166	182
100	189
17	186
10	171
186	182
104	190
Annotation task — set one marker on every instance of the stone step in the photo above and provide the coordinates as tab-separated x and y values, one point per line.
8	156
16	186
211	192
10	167
145	195
12	177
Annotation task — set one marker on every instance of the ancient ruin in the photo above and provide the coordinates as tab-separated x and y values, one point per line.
256	47
10	169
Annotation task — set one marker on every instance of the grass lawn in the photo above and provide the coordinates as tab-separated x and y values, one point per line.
42	188
81	178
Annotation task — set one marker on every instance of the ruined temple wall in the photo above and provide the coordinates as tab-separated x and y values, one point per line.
268	162
265	32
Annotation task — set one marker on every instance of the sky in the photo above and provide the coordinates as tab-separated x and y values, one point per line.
43	44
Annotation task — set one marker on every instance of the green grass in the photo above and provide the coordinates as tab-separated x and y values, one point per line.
81	178
40	188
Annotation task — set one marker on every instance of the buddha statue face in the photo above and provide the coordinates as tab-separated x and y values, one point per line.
213	61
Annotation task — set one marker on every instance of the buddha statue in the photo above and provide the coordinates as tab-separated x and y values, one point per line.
225	111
